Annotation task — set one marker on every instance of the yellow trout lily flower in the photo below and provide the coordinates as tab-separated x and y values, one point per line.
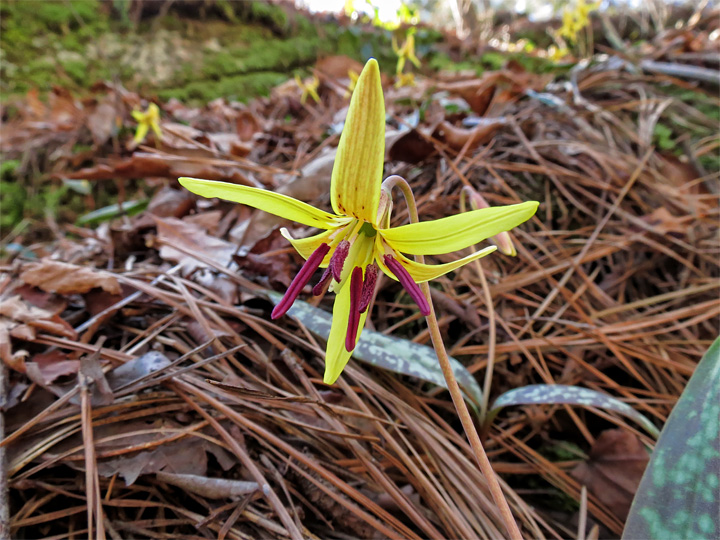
357	241
574	19
405	79
147	120
308	89
406	52
353	76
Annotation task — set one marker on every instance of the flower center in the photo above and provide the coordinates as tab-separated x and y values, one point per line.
353	243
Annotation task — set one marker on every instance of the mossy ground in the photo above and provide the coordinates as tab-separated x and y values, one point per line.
233	50
238	51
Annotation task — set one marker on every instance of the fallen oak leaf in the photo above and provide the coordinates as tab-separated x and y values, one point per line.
101	120
130	448
16	310
52	365
19	320
190	238
13	359
336	67
65	278
476	92
145	164
410	146
247	124
458	137
613	470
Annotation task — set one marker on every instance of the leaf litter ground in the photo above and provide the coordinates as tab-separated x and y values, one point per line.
148	393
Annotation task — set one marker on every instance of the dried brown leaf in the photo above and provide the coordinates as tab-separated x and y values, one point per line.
191	238
143	164
614	468
101	121
477	92
337	67
64	278
457	137
411	147
247	125
169	202
51	365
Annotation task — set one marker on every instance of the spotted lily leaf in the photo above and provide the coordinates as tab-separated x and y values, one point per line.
394	354
113	211
679	495
536	394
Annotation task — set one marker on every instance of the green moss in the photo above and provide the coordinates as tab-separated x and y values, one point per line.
63	16
76	70
19	202
537	64
493	60
269	13
72	42
441	61
12	198
34	33
24	24
39	73
238	87
78	42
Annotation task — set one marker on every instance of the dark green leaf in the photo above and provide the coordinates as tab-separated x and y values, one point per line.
398	355
111	212
679	495
571	395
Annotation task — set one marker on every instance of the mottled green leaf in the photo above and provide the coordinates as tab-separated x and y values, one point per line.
679	495
78	186
111	212
394	354
572	395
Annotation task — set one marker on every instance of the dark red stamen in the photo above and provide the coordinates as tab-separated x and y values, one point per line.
337	261
320	286
300	280
356	281
408	283
368	288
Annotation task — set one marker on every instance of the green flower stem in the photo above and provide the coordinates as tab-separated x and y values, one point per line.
452	384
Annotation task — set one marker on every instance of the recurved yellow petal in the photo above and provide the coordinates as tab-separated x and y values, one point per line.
357	173
268	201
306	246
426	272
156	130
153	111
336	356
141	132
458	231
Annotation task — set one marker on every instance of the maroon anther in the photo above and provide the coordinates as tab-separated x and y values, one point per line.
303	276
337	261
368	288
356	282
408	283
320	286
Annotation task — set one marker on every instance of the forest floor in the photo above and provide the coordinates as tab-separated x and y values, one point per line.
146	389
